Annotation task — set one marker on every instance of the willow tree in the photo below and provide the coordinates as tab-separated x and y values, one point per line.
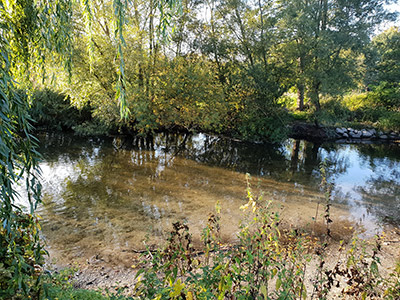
32	33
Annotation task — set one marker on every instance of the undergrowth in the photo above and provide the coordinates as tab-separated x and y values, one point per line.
353	110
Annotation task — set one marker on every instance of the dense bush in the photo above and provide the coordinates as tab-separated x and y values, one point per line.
386	95
54	111
187	95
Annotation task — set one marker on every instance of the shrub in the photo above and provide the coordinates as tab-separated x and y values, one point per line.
54	111
21	259
390	121
333	112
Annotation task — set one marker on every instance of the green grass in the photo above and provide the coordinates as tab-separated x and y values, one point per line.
61	293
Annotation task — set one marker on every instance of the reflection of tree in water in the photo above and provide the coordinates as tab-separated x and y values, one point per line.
242	157
55	146
306	158
295	161
371	152
302	165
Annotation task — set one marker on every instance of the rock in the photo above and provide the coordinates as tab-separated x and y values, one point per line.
366	134
340	131
355	134
373	131
345	135
383	137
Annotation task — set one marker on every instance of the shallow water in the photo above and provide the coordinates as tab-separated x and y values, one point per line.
104	197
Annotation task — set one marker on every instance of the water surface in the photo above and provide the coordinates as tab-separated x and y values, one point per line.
104	197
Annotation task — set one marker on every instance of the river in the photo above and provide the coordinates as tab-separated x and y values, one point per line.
104	197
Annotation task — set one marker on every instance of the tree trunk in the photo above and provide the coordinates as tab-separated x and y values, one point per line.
314	95
300	96
214	44
300	81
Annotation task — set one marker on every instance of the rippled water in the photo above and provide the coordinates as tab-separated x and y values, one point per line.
104	197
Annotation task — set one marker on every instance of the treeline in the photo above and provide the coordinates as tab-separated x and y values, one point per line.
231	66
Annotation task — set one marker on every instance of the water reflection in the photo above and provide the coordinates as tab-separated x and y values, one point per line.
111	194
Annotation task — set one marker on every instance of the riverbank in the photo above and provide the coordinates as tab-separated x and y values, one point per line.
341	135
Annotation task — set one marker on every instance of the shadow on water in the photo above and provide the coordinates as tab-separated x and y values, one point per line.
103	194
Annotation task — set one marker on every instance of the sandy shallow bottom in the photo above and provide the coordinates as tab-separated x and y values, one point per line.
112	218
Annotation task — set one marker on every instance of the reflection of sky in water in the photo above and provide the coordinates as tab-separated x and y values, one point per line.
358	177
357	174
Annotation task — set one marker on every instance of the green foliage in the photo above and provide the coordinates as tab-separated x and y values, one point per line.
357	101
54	111
383	58
383	68
188	95
333	112
355	110
31	32
393	284
324	40
367	108
21	257
21	254
204	91
289	100
74	294
260	123
389	121
386	95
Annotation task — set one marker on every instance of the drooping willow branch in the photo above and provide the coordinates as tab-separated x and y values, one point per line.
166	8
